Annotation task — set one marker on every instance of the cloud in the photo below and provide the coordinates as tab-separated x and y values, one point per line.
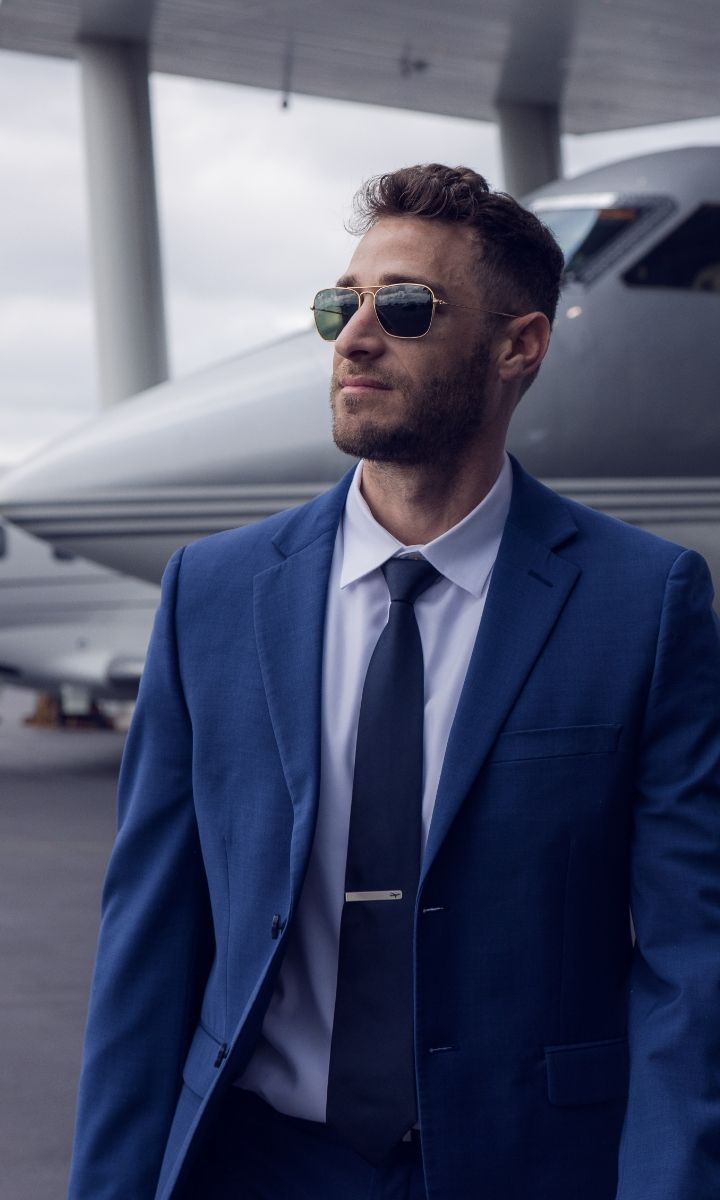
44	243
46	355
584	153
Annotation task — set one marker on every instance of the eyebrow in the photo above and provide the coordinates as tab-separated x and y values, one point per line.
352	281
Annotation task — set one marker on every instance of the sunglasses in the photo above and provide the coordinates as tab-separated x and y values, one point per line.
404	310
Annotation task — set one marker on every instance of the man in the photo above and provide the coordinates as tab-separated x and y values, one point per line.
403	761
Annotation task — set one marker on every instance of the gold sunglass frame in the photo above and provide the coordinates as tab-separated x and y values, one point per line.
373	289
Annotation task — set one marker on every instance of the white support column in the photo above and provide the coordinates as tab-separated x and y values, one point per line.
530	144
130	318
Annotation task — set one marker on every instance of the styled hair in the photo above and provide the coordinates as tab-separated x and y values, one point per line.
520	262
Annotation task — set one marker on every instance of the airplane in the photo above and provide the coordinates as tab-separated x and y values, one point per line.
623	416
69	627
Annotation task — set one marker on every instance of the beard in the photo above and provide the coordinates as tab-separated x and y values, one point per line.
437	423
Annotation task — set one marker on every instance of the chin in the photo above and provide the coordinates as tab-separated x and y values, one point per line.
355	436
382	446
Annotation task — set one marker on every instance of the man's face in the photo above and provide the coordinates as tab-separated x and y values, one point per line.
418	400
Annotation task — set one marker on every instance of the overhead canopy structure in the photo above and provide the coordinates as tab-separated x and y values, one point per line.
608	64
535	66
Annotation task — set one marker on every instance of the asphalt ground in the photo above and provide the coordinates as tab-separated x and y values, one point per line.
57	818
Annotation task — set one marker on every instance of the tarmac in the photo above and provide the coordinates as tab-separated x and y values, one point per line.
57	820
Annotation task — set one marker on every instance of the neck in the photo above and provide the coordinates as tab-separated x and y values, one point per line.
418	503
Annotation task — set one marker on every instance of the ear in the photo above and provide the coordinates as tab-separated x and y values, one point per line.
523	346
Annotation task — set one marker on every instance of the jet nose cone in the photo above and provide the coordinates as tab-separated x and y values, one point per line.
230	445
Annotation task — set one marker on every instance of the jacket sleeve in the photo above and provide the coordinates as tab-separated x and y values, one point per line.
670	1147
154	946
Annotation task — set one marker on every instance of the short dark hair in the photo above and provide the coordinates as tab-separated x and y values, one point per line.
522	264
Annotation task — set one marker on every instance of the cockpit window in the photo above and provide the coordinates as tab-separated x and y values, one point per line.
688	258
585	233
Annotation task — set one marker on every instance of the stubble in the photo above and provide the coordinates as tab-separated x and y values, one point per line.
437	420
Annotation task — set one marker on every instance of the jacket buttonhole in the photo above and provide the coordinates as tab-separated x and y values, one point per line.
221	1055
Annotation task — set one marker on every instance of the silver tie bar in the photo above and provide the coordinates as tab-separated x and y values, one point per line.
351	896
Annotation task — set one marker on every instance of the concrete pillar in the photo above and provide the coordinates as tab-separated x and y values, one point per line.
530	145
130	318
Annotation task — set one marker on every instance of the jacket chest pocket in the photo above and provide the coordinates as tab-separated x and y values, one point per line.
564	741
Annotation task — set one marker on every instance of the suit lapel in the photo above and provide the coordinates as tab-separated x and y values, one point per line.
529	587
289	613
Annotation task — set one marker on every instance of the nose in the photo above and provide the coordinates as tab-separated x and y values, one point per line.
362	337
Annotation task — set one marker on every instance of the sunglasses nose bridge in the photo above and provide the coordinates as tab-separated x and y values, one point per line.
361	293
362	332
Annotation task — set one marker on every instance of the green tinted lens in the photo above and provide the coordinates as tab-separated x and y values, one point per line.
404	309
333	308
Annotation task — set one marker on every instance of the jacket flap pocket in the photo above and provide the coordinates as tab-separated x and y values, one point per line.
201	1064
552	743
588	1073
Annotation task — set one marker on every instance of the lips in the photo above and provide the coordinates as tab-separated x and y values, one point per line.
363	381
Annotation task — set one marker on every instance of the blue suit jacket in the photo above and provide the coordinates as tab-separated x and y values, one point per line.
582	779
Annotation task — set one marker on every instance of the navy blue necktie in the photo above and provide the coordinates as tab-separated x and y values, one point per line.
371	1088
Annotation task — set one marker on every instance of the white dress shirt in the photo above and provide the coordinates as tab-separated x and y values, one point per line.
289	1067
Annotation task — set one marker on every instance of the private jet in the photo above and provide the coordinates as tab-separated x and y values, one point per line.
69	627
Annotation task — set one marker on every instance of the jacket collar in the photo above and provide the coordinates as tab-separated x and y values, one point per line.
311	521
535	511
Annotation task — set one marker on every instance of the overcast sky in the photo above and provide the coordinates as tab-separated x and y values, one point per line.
252	204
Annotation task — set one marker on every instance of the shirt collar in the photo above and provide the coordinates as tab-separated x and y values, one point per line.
464	554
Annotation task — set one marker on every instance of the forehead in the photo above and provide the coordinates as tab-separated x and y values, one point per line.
414	248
